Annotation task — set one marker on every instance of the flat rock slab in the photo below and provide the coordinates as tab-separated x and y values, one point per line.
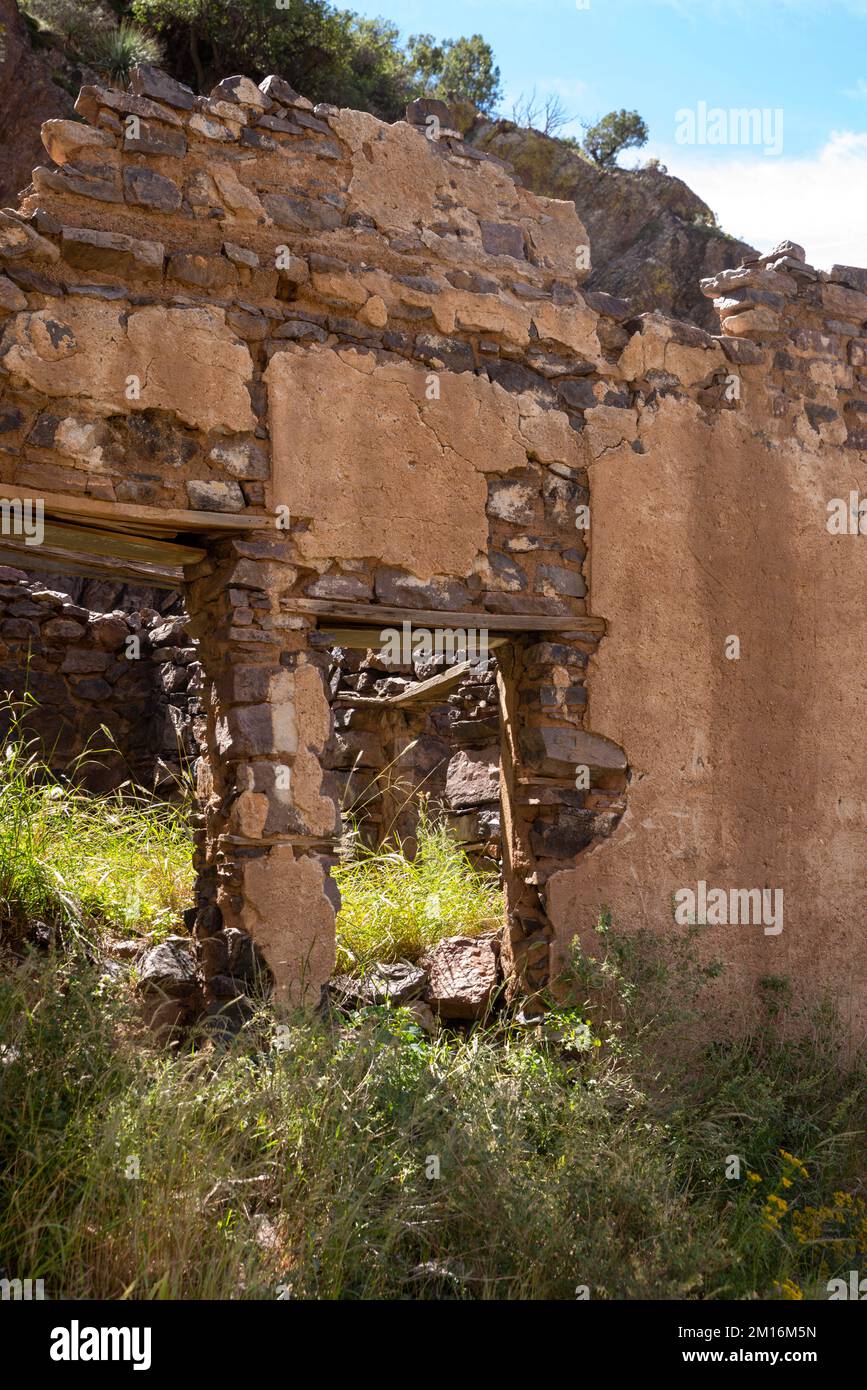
382	984
473	778
168	969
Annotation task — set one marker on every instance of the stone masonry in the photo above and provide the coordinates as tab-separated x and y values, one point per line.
340	374
109	696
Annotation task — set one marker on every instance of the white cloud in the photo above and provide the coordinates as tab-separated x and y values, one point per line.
819	201
859	91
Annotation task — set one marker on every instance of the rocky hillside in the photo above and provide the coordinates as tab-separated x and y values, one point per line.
32	77
651	238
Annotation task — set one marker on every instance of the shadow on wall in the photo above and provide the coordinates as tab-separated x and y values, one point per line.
122	685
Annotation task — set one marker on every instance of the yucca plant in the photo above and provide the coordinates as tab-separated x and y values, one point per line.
118	51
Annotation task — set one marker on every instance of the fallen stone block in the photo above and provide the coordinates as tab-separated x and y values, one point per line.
462	976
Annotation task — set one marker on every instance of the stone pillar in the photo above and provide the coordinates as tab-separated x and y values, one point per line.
267	827
562	789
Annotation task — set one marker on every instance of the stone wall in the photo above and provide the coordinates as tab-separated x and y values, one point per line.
396	744
347	373
112	693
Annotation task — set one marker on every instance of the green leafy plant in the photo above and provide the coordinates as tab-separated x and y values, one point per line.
462	68
327	53
614	133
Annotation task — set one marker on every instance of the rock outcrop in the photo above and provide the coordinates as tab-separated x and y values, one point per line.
29	95
653	239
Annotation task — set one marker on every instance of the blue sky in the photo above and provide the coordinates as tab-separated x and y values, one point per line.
805	59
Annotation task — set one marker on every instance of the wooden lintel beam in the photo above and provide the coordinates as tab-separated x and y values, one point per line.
86	510
54	560
428	617
119	545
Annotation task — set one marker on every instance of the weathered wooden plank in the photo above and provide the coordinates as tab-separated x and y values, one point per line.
92	540
66	505
438	684
428	617
432	688
356	638
55	560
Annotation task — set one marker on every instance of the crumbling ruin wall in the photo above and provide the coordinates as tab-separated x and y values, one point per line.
398	745
340	372
729	557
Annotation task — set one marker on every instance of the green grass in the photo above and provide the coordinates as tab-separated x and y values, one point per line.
302	1158
393	908
83	863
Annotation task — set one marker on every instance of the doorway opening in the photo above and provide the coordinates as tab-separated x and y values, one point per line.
414	762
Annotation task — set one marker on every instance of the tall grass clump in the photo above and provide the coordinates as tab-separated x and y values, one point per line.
81	862
335	1156
394	907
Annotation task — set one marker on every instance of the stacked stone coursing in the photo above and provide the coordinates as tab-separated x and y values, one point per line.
112	696
807	330
443	747
255	264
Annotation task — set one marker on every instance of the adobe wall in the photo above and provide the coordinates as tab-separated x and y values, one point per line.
748	772
351	369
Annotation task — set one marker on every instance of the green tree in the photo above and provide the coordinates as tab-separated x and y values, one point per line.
375	73
209	39
462	68
619	130
328	54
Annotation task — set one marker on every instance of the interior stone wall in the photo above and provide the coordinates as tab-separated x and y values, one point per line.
350	372
109	697
397	744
